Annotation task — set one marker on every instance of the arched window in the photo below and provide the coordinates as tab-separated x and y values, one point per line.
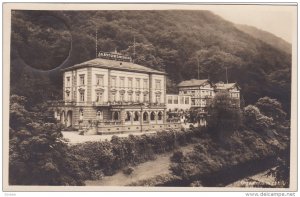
152	116
136	116
115	115
160	115
145	116
128	116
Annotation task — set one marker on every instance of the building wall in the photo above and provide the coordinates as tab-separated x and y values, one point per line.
199	94
148	86
161	90
183	102
137	92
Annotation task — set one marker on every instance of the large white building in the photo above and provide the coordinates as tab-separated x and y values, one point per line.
114	93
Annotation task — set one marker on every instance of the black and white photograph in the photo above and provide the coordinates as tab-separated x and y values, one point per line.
189	97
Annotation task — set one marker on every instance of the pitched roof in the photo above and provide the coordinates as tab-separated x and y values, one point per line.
225	86
192	82
114	64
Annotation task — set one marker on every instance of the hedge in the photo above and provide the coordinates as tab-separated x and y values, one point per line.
107	157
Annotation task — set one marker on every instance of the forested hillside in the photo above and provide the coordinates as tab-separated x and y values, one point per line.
167	40
267	37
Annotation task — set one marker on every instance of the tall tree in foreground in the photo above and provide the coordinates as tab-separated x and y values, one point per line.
37	153
224	116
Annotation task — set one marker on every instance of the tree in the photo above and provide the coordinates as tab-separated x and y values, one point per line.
224	115
37	153
255	120
271	108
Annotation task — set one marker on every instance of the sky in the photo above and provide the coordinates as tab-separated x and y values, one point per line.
278	20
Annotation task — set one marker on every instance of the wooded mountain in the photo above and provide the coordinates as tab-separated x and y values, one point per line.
267	37
173	40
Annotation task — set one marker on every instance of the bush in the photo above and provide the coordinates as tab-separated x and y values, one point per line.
110	156
128	170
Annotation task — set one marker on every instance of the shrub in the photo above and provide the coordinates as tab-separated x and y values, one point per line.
256	121
128	170
110	156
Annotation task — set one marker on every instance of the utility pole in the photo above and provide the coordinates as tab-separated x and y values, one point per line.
133	48
96	42
198	66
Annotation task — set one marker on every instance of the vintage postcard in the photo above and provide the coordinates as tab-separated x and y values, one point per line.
149	97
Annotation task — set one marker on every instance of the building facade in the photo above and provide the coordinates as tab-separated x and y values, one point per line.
178	102
112	94
203	91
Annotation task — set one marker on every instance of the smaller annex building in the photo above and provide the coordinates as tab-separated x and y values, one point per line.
110	94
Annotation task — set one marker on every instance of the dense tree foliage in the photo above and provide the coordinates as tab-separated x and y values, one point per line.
37	153
107	157
224	115
271	108
172	40
256	121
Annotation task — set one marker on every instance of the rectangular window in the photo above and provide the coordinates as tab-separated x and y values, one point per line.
121	97
181	100
145	97
138	85
81	79
82	96
98	97
122	82
68	82
193	102
145	85
130	97
99	80
157	84
169	99
157	98
113	97
130	83
185	92
176	100
137	97
187	100
113	82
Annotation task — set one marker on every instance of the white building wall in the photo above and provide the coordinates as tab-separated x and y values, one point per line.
170	102
134	76
104	72
80	72
162	88
68	86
